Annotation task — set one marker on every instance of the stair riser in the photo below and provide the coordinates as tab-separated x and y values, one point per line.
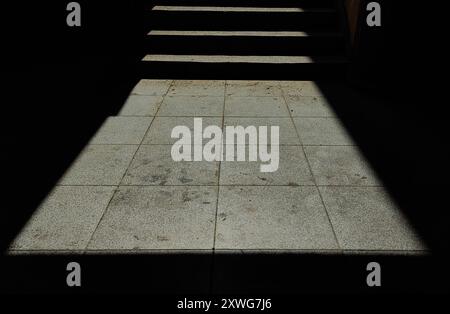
311	21
245	45
243	21
247	3
241	71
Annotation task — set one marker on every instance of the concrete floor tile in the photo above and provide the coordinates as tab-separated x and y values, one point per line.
287	133
255	107
300	88
309	106
65	220
122	130
365	218
192	106
197	88
340	165
161	129
167	206
153	165
99	165
272	218
253	88
322	131
141	105
304	252
152	87
293	169
393	253
140	218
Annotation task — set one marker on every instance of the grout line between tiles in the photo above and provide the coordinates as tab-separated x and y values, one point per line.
220	251
211	275
231	185
226	116
220	166
170	144
124	174
312	174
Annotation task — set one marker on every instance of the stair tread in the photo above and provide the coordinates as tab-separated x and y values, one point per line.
243	59
238	9
242	33
244	3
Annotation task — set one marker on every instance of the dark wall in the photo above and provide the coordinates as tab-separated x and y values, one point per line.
40	27
406	50
58	84
406	59
401	118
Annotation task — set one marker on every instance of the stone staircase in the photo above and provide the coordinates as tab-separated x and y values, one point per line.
247	39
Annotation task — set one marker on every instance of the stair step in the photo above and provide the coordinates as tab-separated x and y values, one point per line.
298	20
240	9
243	59
244	39
242	67
242	33
247	3
244	43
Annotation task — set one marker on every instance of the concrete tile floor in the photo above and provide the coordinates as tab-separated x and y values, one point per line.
255	107
153	165
125	194
272	217
161	128
122	130
141	105
322	131
288	136
191	106
292	171
309	106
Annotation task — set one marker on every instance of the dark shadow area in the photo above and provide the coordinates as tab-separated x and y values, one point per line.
406	150
223	274
58	86
394	107
319	18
